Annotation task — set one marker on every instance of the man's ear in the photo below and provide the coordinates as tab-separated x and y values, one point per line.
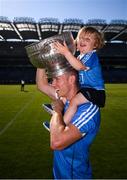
72	79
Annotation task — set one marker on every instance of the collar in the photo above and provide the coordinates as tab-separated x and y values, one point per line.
81	55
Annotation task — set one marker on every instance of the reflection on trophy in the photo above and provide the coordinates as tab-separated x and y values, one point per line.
43	55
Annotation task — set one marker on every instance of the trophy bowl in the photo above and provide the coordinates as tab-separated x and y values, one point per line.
43	55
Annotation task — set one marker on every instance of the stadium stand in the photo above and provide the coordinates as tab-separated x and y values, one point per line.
14	36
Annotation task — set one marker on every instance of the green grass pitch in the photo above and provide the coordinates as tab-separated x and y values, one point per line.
24	143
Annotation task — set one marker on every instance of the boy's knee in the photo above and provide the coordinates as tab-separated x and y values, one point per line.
74	102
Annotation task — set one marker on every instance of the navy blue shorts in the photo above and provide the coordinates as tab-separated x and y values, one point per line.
97	97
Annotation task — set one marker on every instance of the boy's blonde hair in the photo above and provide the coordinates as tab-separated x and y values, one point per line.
99	37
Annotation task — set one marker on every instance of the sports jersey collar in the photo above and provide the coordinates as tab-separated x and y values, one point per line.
89	53
66	105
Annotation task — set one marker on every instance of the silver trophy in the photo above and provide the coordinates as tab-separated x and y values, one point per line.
43	54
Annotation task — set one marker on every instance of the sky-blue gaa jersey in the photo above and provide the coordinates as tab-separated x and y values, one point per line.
92	78
73	161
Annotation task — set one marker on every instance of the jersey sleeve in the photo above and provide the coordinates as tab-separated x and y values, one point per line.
90	59
85	120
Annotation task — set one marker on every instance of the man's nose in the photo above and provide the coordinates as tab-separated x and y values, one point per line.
54	83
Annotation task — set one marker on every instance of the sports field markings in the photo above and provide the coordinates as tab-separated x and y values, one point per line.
15	117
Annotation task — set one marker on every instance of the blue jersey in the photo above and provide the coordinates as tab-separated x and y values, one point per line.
73	161
93	77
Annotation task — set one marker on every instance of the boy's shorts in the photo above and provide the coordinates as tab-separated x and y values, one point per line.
95	96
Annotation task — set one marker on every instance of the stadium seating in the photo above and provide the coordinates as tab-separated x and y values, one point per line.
14	36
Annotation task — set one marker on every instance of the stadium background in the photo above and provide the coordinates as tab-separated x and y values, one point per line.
14	36
24	143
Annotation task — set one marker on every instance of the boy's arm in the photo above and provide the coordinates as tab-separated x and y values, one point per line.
75	63
43	85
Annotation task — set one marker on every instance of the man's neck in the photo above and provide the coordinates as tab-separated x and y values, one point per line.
73	91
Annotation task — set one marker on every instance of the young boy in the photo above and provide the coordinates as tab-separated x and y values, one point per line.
88	40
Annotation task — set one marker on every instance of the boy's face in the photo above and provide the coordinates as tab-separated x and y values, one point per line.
86	42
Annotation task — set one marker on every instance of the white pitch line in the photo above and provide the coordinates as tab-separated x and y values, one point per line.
13	119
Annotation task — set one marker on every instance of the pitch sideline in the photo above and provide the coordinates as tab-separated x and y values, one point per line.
15	117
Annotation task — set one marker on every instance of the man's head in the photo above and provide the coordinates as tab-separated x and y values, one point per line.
67	84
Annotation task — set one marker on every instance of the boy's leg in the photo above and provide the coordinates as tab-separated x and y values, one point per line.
75	102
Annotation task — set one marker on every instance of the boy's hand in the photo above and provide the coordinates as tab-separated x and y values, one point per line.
61	48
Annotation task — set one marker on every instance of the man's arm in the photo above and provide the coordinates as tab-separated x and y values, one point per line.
61	135
43	85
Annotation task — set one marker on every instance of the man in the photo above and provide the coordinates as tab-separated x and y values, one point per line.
22	85
71	142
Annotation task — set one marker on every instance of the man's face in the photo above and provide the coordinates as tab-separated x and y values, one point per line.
61	83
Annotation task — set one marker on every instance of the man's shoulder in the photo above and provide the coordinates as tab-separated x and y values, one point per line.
84	106
86	110
87	117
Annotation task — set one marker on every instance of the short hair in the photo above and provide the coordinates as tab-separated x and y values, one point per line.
99	36
75	73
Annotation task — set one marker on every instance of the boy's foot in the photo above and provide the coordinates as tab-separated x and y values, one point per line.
48	108
46	125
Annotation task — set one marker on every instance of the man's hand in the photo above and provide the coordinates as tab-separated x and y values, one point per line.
61	135
58	106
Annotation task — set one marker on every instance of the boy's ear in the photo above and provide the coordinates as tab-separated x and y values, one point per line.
75	42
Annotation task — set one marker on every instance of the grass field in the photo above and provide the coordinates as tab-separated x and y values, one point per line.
24	143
